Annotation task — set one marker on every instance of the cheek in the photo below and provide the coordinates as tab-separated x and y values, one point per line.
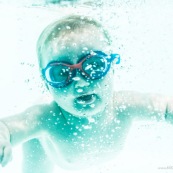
107	82
57	93
106	89
61	94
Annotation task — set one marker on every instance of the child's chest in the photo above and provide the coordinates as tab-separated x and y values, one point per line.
79	146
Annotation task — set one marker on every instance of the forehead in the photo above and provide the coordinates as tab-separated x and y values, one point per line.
74	45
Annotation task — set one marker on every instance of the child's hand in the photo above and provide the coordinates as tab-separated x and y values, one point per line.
5	145
5	151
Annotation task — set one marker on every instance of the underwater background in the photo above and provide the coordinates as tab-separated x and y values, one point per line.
142	33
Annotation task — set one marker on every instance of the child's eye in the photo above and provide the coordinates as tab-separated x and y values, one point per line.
60	70
59	73
95	64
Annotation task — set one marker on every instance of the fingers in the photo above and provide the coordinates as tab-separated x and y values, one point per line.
5	155
1	153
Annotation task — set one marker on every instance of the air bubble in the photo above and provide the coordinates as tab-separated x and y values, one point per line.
87	127
107	136
76	78
68	27
27	81
91	120
63	70
88	67
75	134
74	44
79	90
98	85
92	105
117	121
85	48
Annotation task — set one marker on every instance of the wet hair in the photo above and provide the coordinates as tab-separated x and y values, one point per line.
64	26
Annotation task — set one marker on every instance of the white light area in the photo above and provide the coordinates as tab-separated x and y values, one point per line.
143	38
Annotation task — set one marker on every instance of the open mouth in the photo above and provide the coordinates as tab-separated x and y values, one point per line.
86	99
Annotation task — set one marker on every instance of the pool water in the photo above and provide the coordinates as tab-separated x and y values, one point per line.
143	36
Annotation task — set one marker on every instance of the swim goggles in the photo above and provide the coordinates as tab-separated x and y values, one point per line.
93	66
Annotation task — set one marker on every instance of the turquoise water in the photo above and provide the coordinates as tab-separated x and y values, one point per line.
143	35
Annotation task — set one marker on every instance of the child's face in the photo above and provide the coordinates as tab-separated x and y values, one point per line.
82	97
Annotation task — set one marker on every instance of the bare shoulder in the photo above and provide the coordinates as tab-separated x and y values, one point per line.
134	98
129	98
138	104
31	122
43	111
35	114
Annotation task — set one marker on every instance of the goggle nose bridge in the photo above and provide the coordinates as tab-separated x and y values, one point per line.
78	68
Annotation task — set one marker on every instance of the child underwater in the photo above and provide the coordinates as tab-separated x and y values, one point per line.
87	122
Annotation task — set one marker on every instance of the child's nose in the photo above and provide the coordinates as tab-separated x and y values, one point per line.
80	82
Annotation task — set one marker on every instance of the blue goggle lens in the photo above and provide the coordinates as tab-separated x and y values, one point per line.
94	67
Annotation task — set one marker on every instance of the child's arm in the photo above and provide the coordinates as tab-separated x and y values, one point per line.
25	125
20	128
5	146
145	106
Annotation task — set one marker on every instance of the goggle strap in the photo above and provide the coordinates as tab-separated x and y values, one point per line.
117	57
112	56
